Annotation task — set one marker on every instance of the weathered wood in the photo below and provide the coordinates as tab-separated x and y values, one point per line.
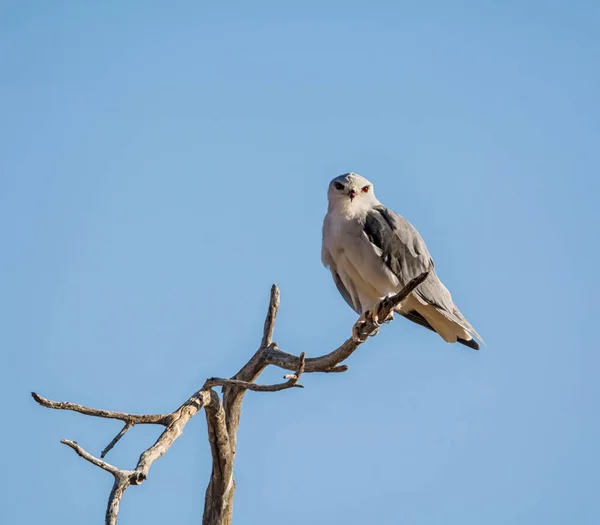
223	417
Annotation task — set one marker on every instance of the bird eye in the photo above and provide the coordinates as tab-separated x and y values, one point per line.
365	189
339	186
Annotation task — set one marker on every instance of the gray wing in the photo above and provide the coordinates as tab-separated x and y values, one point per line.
401	248
351	298
404	252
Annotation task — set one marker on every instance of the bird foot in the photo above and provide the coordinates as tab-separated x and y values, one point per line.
356	333
370	316
389	318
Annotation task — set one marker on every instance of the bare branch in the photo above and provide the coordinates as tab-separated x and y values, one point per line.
121	484
88	457
122	481
390	302
336	369
292	381
223	418
134	419
178	420
329	362
217	381
271	316
219	493
125	478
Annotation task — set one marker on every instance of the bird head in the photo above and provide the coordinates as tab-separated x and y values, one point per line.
350	191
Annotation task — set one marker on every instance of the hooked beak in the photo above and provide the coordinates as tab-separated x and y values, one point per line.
352	194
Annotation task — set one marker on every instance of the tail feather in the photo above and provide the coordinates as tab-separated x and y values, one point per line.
439	297
471	343
417	318
460	320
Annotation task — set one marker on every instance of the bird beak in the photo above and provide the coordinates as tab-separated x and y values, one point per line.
352	194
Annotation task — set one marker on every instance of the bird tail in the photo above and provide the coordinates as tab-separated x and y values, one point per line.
417	318
461	321
471	343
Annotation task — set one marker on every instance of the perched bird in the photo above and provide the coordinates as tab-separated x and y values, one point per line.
373	252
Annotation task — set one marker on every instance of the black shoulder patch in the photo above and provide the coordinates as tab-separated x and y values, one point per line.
380	231
385	213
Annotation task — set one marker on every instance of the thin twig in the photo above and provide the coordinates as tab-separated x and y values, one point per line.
116	439
218	381
292	381
387	305
88	457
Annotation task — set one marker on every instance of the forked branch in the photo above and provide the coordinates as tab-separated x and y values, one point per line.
223	417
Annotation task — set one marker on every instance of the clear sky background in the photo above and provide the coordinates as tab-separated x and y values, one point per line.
164	162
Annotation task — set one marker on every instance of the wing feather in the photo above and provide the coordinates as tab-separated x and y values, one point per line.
404	252
402	249
350	296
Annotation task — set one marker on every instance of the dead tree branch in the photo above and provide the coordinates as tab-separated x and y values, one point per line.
223	417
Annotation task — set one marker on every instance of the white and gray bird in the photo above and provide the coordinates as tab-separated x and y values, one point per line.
373	252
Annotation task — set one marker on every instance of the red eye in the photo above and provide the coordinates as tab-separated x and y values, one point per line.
365	189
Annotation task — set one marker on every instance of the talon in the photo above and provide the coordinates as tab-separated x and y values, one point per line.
356	332
389	318
368	317
371	316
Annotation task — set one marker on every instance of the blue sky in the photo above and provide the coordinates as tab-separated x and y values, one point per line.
163	164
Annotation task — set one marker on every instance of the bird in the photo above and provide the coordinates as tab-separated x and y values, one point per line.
372	252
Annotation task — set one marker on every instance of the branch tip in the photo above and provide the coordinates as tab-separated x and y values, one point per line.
269	327
92	459
39	399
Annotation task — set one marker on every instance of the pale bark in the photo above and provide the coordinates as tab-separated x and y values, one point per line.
223	417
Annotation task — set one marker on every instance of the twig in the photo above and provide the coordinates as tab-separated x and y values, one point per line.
292	381
387	305
116	439
88	457
218	381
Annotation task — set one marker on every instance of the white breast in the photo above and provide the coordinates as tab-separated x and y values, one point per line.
357	261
